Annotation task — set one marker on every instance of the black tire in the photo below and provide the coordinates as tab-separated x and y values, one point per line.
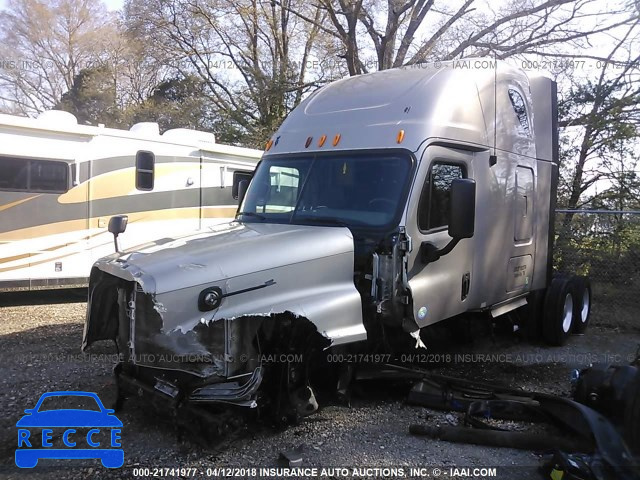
558	312
582	303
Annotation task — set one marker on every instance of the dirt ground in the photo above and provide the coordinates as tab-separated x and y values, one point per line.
40	336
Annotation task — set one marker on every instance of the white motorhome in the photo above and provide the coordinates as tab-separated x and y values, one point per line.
60	182
384	203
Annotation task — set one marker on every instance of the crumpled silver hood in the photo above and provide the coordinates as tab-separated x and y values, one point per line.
261	270
223	252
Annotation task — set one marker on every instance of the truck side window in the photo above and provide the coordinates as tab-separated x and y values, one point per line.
517	102
434	207
145	170
21	174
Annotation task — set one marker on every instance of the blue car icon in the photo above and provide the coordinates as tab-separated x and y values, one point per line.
36	431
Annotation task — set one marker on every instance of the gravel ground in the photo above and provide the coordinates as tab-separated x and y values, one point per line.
40	338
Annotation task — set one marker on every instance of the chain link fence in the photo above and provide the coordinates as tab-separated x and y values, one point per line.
605	246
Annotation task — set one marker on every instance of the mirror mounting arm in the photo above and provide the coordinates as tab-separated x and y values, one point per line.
430	253
117	225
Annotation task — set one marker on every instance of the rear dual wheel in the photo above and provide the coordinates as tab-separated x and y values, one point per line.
567	308
558	311
582	303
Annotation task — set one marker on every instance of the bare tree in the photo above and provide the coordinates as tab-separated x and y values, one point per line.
252	55
137	67
45	45
405	32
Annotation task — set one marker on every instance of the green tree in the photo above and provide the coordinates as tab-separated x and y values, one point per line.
174	103
92	98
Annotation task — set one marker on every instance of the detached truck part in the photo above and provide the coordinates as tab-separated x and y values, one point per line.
384	203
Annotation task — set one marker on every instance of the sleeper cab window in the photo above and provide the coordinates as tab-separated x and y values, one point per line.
435	201
145	170
26	175
517	102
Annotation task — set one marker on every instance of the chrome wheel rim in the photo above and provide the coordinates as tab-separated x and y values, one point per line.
567	313
586	305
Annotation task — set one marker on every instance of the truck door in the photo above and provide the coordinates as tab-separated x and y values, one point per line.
439	289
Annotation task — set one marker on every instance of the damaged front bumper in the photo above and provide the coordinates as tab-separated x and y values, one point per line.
201	365
241	391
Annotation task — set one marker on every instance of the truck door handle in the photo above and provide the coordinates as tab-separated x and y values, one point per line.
466	284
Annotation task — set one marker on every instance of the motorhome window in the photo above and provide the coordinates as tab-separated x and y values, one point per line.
14	173
363	190
517	102
48	176
145	169
435	201
21	174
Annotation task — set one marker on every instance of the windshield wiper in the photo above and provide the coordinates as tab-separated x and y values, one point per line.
324	220
252	214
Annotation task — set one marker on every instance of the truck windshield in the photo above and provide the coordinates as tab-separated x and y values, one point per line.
349	189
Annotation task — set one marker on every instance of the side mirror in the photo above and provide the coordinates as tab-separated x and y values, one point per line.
117	225
242	190
462	217
239	176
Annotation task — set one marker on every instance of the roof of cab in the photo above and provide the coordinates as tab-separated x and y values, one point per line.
450	100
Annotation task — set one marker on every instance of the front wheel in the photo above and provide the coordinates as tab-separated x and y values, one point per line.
558	311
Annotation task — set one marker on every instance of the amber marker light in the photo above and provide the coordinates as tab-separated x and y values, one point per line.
400	136
308	142
336	139
269	145
323	139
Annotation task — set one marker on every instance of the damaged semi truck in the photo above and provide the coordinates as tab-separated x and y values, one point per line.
385	203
